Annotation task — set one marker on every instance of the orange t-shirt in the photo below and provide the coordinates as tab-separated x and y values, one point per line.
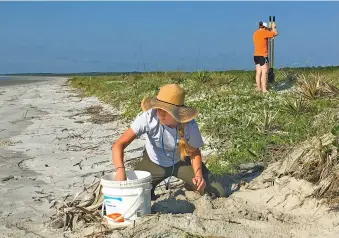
260	42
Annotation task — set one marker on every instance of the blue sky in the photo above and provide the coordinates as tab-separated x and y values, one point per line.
126	36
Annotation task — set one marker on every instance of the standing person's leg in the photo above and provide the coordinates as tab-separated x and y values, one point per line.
264	70
258	77
257	73
184	171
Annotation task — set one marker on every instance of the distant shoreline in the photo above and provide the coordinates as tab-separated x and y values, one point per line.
10	80
142	72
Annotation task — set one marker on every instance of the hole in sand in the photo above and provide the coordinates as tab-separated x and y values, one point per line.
173	205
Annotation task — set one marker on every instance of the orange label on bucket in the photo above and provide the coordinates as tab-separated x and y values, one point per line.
115	217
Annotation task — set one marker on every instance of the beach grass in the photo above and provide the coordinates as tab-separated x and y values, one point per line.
239	124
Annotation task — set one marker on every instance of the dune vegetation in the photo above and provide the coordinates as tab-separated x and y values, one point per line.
239	124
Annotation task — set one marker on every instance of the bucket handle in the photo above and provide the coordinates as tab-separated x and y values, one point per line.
122	214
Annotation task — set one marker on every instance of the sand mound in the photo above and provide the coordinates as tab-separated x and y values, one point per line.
317	162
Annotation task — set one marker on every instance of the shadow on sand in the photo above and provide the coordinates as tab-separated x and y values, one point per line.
247	173
175	205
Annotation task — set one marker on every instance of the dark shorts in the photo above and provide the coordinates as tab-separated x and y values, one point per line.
260	60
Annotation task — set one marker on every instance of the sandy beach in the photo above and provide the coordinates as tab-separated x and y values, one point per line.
54	142
46	151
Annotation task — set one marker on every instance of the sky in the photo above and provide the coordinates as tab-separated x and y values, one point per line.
66	37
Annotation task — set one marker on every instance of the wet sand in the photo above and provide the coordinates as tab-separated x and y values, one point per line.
20	80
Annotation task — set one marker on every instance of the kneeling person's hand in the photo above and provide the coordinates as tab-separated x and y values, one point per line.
199	182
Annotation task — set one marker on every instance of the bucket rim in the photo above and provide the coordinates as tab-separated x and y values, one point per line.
112	183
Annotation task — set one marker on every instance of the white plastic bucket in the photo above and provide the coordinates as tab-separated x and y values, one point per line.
130	198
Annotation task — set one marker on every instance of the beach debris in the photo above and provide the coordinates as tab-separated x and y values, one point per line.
5	143
97	115
78	164
7	178
81	211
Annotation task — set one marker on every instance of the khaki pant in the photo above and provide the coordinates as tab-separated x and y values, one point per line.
182	170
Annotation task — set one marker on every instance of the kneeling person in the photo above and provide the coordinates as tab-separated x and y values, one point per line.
173	143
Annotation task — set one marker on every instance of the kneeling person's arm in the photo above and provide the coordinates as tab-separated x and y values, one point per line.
118	153
196	162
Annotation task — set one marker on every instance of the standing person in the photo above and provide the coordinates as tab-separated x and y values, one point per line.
260	39
173	143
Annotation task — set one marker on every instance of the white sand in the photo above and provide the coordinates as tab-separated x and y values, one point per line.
40	145
45	153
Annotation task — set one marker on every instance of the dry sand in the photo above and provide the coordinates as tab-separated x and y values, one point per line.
51	145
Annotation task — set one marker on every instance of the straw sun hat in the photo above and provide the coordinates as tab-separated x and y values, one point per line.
171	98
